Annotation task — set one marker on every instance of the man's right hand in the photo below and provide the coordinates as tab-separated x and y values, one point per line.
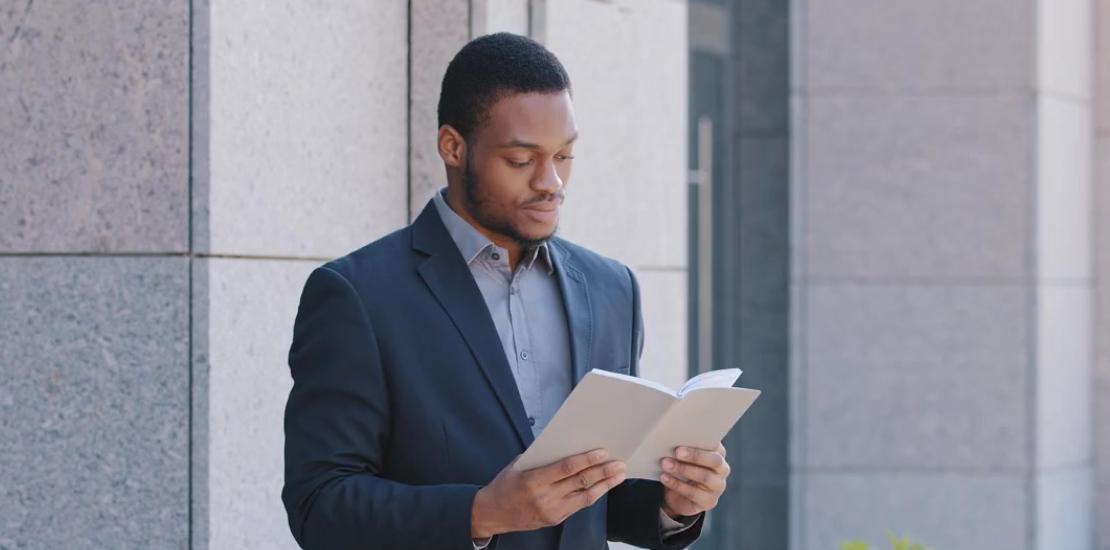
523	501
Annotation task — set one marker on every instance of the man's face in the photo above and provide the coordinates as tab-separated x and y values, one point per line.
518	165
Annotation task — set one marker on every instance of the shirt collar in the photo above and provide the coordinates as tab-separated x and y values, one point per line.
472	242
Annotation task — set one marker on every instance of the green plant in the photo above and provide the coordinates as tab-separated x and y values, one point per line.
903	543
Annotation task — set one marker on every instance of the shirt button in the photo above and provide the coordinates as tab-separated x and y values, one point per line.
495	256
524	355
512	290
531	421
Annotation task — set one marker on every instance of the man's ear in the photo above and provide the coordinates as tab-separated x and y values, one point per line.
452	146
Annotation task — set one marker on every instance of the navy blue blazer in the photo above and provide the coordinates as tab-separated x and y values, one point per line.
404	405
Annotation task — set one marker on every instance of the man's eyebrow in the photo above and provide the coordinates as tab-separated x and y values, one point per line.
520	144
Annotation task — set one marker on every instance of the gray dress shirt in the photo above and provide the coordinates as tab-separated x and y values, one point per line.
527	309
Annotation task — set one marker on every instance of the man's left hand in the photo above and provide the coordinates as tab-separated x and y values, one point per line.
695	482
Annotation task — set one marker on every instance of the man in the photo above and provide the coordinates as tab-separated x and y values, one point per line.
426	362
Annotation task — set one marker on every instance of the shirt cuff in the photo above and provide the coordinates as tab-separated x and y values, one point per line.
481	544
669	527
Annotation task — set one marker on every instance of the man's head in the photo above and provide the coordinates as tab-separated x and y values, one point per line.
506	136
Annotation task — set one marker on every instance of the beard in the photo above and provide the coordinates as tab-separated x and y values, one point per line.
479	205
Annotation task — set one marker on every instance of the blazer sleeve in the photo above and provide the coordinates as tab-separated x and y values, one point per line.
336	434
633	515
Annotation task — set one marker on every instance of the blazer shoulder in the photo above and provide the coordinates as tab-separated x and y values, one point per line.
597	267
378	261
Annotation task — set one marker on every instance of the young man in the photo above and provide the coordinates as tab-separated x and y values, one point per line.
426	362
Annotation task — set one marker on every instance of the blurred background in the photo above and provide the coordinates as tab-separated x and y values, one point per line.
887	212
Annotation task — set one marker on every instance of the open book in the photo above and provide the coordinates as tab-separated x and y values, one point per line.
639	421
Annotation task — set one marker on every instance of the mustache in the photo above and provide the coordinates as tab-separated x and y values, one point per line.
558	196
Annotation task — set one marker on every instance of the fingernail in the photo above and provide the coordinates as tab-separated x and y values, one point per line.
601	455
665	478
683	452
668	464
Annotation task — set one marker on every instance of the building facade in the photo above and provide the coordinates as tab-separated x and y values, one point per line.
891	215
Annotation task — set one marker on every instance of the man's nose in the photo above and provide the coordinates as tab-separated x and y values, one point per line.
548	180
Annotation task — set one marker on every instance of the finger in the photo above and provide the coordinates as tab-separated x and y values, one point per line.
722	450
587	497
709	459
569	466
709	479
589	477
702	499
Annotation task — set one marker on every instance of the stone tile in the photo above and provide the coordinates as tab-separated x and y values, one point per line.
439	31
1101	332
922	187
663	300
94	99
1065	47
1063	408
1101	514
1064	513
1063	189
94	407
912	376
307	155
251	307
762	66
968	420
907	327
490	16
627	198
1102	66
949	511
877	45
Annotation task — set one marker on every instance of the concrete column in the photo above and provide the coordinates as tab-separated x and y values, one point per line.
299	153
942	273
1102	281
94	284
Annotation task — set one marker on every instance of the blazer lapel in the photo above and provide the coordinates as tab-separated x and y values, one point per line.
448	277
576	300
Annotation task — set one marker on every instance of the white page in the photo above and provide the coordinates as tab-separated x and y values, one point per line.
723	378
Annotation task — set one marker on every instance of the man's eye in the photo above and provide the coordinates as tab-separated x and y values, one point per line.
516	164
565	157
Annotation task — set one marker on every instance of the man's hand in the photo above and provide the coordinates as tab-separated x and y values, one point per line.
523	501
695	482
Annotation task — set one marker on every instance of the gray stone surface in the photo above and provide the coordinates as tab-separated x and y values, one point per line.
910	327
94	403
876	45
950	511
759	503
1063	196
971	420
1065	47
307	115
628	64
490	16
663	295
439	30
1101	386
251	305
1064	354
1064	515
1101	62
899	187
94	114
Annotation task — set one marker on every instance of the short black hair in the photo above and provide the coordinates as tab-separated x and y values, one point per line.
490	68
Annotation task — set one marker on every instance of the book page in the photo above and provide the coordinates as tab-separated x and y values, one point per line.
603	412
700	420
723	378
